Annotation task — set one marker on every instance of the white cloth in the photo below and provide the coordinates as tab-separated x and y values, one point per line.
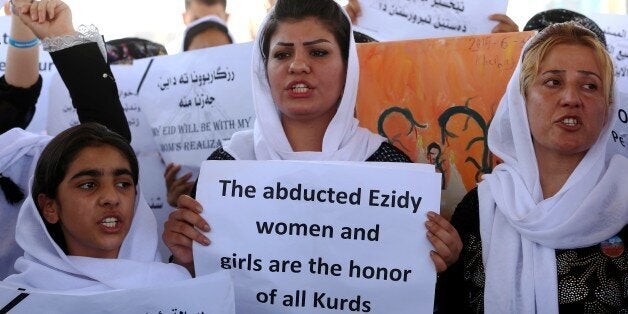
344	140
520	230
208	18
45	266
19	152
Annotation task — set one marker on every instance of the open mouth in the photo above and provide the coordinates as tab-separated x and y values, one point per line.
570	121
300	88
110	222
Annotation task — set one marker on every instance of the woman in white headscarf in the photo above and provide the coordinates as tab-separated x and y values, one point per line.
85	226
305	73
546	231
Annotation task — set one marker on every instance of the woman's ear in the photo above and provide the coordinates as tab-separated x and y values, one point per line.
48	207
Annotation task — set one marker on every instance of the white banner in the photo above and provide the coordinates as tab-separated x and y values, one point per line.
206	294
196	100
615	28
309	236
387	20
46	68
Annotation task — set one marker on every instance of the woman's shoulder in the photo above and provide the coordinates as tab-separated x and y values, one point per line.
388	153
220	154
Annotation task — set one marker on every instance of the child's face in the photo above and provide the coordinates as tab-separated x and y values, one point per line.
94	202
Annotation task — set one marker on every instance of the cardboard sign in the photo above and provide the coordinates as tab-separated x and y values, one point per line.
434	100
205	294
615	28
195	100
386	20
305	237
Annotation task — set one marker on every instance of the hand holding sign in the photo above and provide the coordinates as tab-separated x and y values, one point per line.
179	231
445	239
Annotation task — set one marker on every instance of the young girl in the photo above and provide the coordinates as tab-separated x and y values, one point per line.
85	226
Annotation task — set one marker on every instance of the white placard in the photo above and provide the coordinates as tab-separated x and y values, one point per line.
387	20
196	100
359	246
615	28
46	68
205	294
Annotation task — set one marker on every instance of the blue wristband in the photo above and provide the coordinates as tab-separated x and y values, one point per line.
23	44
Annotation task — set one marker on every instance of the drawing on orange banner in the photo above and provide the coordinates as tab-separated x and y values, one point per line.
434	99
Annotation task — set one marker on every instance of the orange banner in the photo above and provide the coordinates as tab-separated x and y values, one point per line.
434	99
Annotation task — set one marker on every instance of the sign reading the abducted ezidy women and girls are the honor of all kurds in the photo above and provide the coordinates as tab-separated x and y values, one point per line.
308	237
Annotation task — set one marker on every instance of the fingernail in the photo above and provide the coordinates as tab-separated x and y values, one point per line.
199	209
206	228
429	234
206	241
429	224
431	214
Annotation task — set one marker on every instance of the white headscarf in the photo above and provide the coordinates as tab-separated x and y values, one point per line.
205	19
45	266
520	230
17	143
344	140
19	152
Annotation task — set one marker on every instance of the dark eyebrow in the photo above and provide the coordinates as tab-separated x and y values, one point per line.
284	44
121	172
307	43
590	73
87	173
98	173
314	42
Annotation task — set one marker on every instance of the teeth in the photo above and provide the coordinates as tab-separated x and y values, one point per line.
109	222
300	88
570	121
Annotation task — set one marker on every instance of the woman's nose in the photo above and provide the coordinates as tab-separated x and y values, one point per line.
571	97
299	65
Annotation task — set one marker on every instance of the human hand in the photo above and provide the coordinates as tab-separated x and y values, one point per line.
47	18
354	10
176	187
506	24
445	240
181	229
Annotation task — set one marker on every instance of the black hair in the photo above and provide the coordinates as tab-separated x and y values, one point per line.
361	38
326	11
206	2
125	50
61	151
202	27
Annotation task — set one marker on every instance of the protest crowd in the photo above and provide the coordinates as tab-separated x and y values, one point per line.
332	164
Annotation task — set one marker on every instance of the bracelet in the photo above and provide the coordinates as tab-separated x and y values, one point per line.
23	44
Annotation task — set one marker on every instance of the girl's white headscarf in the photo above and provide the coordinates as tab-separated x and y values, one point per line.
344	140
45	266
520	230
